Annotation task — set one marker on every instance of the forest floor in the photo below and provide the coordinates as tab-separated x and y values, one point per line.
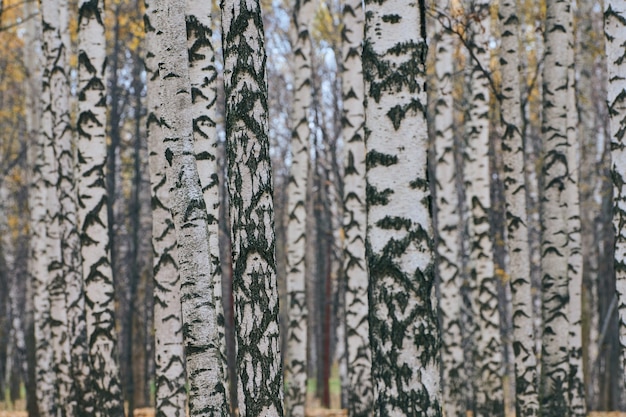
311	412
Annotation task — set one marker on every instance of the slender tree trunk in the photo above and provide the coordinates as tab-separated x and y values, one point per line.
448	221
203	77
260	384
578	407
56	129
555	369
526	396
403	319
99	290
488	344
35	327
207	389
171	396
296	354
615	28
359	354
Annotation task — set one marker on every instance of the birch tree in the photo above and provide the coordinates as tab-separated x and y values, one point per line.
615	28
526	398
360	390
448	220
556	169
207	391
203	78
576	398
488	345
403	318
57	132
92	157
39	205
297	315
171	396
250	189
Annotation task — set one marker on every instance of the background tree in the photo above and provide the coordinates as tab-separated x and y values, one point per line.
296	354
448	222
360	395
526	398
615	34
554	387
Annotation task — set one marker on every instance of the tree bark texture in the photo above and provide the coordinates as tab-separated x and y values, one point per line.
488	360
403	319
615	28
526	396
556	171
454	379
260	383
297	315
207	390
360	389
170	378
92	158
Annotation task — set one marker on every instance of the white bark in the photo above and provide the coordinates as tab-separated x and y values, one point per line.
171	396
207	391
260	383
488	345
203	77
96	269
448	221
578	407
359	354
615	28
403	318
526	398
297	314
555	369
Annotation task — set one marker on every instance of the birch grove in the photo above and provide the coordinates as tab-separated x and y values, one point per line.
433	192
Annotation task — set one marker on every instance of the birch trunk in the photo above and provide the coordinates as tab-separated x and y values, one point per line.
54	125
403	319
360	389
526	396
615	28
260	382
488	345
297	315
555	369
39	124
92	158
454	380
207	390
575	261
171	396
203	78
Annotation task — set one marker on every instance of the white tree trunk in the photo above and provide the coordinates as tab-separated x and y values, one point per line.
578	406
92	156
454	381
526	397
39	124
615	27
555	369
297	314
171	396
260	383
360	396
203	77
207	390
56	130
488	344
403	309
